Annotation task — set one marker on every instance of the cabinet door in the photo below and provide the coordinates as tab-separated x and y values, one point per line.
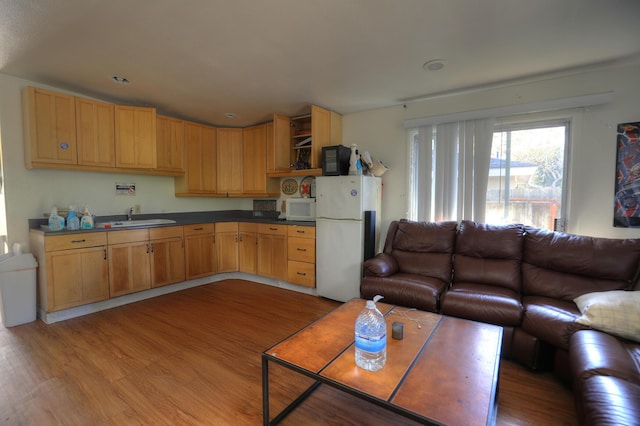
227	246
76	277
167	261
50	127
326	128
254	160
230	161
279	145
272	256
129	268
169	144
200	160
200	255
135	137
95	128
247	252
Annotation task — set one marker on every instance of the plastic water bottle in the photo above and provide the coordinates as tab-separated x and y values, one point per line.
371	337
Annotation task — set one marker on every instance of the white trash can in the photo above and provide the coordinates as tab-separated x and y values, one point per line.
18	288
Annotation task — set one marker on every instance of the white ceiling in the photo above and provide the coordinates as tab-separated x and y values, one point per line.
200	59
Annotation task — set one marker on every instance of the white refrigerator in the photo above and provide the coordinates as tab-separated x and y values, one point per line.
347	232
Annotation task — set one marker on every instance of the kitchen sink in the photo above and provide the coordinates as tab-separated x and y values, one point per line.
130	223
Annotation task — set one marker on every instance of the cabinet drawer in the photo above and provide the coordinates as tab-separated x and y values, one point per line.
248	227
120	237
165	232
74	241
302	249
226	226
302	273
267	228
199	228
302	231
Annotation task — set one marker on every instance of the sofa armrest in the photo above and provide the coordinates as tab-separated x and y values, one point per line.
382	265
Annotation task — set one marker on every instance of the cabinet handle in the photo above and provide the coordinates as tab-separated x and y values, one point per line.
198	229
301	273
301	249
105	254
241	238
273	229
147	248
152	248
78	241
300	231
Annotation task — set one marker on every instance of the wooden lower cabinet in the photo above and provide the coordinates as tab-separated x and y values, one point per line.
248	247
129	261
78	277
272	251
200	250
301	254
73	270
80	268
167	255
226	236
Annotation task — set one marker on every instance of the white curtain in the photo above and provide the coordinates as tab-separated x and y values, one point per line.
450	170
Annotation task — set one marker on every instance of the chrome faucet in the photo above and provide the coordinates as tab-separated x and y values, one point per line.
130	213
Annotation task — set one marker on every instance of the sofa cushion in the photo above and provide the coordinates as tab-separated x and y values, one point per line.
593	353
410	290
488	254
551	320
485	303
565	266
422	248
615	312
606	400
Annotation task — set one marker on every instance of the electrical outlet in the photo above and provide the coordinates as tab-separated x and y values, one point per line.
136	209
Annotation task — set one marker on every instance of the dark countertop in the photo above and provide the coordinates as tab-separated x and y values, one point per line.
187	218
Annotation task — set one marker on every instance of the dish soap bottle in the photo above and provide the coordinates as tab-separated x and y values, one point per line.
56	222
371	337
73	222
87	219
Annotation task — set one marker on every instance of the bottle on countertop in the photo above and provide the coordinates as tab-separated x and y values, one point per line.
56	222
371	337
73	223
87	219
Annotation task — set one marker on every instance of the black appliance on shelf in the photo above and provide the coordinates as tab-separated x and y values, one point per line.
335	160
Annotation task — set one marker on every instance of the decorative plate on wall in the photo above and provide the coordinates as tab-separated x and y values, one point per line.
306	184
289	186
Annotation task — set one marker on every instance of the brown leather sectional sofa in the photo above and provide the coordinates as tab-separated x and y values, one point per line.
524	279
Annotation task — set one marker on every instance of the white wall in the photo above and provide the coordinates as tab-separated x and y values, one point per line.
30	193
592	159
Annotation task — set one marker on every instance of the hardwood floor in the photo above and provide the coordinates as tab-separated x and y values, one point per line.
193	357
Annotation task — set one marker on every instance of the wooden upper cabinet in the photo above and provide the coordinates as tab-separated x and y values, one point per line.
135	137
49	127
230	174
279	145
295	146
170	144
326	130
95	128
200	178
254	154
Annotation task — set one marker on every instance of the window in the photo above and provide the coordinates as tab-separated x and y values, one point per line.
526	174
487	172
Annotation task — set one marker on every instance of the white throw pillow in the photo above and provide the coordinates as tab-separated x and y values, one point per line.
615	312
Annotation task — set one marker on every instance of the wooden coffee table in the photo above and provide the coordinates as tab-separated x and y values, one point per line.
444	370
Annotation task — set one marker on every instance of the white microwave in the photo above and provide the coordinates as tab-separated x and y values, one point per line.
302	209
